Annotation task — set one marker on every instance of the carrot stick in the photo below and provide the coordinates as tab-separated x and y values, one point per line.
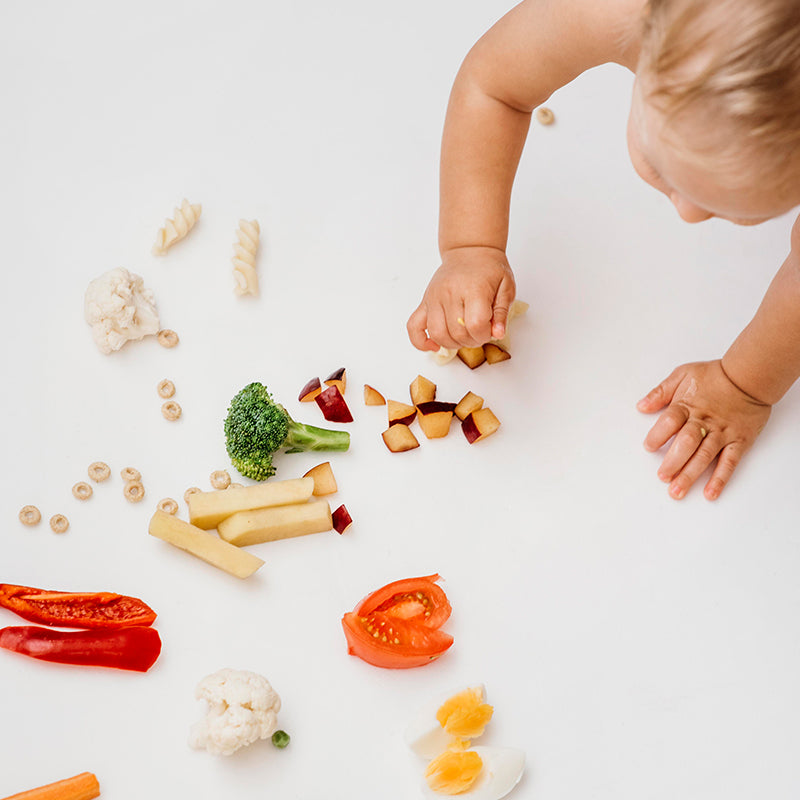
79	787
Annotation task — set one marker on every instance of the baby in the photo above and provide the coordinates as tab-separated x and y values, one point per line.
714	125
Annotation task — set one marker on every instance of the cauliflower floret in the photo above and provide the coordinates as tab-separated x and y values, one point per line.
242	708
119	308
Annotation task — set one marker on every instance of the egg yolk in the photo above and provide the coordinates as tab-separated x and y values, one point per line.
454	772
465	714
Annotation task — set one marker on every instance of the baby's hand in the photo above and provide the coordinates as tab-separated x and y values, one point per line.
466	302
708	416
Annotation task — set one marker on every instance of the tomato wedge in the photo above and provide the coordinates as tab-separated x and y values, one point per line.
397	626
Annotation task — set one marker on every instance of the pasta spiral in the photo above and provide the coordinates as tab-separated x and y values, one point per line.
244	257
184	219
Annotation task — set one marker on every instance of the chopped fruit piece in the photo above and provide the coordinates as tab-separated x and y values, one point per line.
454	772
399	438
280	522
472	356
372	397
324	482
494	353
422	390
467	404
400	413
479	424
341	519
334	408
310	391
435	418
337	378
465	714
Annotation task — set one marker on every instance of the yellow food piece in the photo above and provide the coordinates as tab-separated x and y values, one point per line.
280	522
465	714
454	772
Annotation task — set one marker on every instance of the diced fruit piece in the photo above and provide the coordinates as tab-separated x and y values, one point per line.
372	397
494	353
399	438
337	378
467	404
422	390
400	413
435	417
324	482
310	391
341	519
207	509
204	545
280	522
333	406
479	424
472	356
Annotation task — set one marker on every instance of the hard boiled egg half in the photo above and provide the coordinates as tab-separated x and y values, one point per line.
442	734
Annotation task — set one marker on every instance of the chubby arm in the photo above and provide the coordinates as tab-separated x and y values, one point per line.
539	46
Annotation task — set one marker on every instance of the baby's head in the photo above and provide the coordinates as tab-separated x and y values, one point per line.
715	118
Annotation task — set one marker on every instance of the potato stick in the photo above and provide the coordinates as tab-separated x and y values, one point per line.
79	787
280	522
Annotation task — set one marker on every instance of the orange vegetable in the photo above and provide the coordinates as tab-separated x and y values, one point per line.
79	787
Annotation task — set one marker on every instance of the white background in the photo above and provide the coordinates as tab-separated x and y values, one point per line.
633	646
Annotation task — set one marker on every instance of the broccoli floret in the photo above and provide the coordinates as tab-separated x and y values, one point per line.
257	426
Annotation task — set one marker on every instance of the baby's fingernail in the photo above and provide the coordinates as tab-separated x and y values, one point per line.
677	492
662	476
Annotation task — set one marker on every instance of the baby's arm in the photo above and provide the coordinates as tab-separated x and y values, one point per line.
539	46
718	408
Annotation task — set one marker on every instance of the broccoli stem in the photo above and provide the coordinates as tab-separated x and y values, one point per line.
302	438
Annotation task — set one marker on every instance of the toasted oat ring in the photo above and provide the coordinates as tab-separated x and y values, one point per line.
168	506
166	388
59	523
190	490
220	479
99	471
30	515
82	490
545	116
130	474
171	410
133	491
167	338
235	486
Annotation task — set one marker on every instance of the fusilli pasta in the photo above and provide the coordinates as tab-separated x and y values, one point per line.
184	219
244	257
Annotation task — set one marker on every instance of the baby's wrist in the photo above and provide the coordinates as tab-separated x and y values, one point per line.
740	382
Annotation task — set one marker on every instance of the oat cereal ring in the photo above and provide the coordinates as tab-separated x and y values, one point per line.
82	490
220	479
167	338
236	486
30	515
166	388
130	474
545	116
171	410
168	506
190	490
133	491
99	471
59	523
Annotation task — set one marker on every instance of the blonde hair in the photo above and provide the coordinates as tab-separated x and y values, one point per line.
738	60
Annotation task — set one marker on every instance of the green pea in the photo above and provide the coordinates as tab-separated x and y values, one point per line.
280	739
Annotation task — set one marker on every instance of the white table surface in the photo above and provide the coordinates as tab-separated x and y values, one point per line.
634	647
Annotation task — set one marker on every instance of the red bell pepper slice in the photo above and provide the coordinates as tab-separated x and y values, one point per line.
75	609
135	648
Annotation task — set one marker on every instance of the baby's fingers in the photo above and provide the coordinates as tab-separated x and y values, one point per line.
417	333
695	466
667	425
661	396
729	459
686	445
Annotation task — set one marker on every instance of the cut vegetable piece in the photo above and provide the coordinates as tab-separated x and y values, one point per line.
333	406
372	397
281	522
208	509
494	353
324	481
399	438
341	519
434	418
472	356
419	600
400	413
337	378
310	391
204	545
422	390
79	787
467	404
479	424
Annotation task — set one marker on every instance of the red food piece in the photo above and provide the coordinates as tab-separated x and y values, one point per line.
410	599
135	648
341	519
333	405
75	609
